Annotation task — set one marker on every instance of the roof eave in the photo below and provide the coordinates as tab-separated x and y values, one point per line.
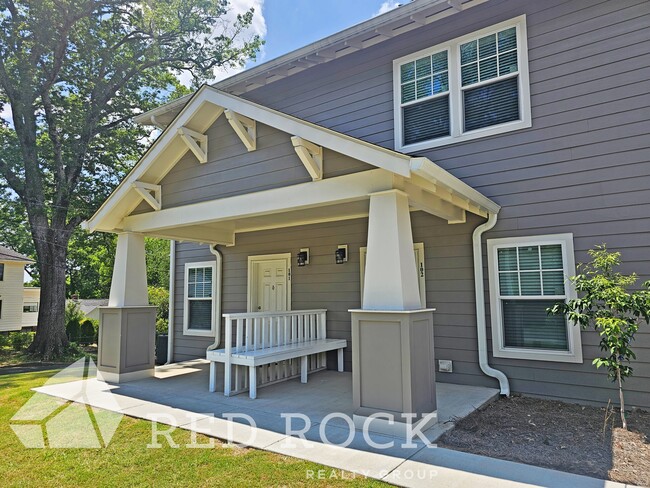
414	12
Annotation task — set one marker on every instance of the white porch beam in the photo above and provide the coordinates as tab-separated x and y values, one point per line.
391	281
244	127
311	156
152	194
196	142
224	236
129	283
341	189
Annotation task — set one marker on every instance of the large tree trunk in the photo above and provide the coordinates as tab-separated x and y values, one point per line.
51	247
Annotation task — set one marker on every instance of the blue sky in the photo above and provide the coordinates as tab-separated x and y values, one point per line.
291	24
287	25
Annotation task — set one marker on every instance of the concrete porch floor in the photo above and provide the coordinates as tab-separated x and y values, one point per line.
178	395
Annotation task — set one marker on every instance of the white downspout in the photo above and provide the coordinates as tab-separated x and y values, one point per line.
219	257
480	306
172	300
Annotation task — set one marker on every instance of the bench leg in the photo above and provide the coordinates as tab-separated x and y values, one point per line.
252	382
227	378
303	369
340	360
213	377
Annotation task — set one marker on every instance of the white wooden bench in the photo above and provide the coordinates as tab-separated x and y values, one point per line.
269	345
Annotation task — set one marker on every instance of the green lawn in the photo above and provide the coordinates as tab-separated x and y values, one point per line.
128	462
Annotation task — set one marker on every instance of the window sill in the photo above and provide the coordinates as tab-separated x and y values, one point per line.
468	136
539	355
198	333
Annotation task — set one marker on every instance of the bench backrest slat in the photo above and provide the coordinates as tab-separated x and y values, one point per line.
254	331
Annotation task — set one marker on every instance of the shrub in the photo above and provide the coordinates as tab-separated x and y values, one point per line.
4	341
74	350
88	331
162	326
21	340
73	319
160	298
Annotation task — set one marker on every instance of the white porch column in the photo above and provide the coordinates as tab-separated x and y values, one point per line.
127	326
129	283
392	336
391	281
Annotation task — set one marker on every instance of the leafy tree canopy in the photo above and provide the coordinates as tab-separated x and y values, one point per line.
74	73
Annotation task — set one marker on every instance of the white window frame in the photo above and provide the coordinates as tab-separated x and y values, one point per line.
421	269
455	89
29	304
574	353
186	309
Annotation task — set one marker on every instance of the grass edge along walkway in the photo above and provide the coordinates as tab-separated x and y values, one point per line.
127	461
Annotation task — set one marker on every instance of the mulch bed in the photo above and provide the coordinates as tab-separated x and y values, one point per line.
567	437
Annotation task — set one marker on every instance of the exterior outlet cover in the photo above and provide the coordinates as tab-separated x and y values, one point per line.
445	366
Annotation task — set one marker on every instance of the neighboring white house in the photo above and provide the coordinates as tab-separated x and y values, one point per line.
31	304
18	305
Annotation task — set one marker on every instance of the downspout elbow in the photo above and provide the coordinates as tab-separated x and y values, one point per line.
481	328
217	298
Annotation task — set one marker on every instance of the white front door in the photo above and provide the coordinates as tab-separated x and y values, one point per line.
268	283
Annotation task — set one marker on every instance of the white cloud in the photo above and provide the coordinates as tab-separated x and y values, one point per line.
386	7
257	27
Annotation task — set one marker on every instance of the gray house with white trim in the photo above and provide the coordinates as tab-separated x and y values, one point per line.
440	168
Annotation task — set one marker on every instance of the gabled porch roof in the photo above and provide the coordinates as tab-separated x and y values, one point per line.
429	187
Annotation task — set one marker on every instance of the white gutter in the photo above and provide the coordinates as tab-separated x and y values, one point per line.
172	288
480	306
217	298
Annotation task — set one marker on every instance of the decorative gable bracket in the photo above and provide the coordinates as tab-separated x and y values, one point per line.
311	156
244	127
197	142
151	193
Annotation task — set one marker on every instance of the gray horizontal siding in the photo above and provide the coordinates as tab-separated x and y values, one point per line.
583	167
232	170
324	284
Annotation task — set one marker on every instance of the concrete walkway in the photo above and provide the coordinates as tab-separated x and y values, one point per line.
178	396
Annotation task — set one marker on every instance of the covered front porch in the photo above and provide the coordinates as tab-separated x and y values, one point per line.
388	327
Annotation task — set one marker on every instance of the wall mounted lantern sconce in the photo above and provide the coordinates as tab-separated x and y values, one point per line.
341	254
303	257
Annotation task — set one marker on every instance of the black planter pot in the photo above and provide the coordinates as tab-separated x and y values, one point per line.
161	348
